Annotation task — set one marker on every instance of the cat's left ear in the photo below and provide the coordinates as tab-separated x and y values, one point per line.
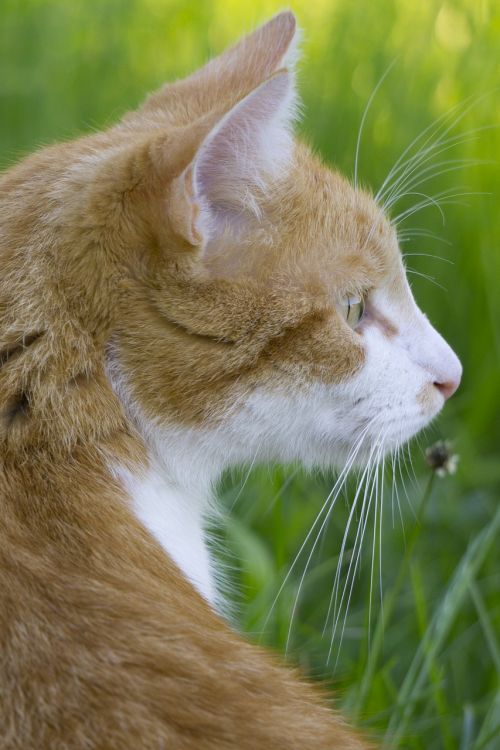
239	160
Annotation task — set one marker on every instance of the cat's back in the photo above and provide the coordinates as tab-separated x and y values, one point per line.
107	646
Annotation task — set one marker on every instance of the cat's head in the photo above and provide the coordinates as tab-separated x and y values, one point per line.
231	286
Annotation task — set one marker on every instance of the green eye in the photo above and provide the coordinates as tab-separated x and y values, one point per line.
352	309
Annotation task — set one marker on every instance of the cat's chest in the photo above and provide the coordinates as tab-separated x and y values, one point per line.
175	519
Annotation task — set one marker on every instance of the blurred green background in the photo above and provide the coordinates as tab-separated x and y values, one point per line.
425	673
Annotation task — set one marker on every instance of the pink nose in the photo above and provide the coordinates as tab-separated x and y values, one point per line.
448	387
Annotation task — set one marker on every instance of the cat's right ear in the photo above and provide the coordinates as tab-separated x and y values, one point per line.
257	56
248	148
235	72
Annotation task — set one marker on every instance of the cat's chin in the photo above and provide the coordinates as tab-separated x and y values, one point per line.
356	455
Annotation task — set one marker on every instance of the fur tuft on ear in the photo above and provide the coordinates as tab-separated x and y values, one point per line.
248	149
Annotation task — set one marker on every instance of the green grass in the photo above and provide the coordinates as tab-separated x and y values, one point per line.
426	672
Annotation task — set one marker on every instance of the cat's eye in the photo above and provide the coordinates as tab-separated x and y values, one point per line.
352	309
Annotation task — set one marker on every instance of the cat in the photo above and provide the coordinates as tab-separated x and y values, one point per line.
185	291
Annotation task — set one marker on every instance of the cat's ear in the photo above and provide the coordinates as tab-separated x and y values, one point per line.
257	56
246	150
235	72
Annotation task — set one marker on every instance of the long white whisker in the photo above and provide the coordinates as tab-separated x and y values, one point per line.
334	495
281	490
392	488
363	119
419	232
442	198
428	255
425	175
414	167
436	129
400	457
426	276
410	459
309	558
380	539
372	566
341	478
395	463
370	469
246	479
334	594
432	129
356	557
430	201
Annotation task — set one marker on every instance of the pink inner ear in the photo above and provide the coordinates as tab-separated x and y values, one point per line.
248	148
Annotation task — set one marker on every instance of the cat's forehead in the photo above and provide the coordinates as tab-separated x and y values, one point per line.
331	231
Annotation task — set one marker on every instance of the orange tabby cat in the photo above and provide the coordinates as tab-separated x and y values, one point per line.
182	292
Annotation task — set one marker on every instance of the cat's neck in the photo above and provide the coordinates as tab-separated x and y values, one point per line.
172	497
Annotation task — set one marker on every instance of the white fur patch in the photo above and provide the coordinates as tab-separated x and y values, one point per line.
176	519
173	498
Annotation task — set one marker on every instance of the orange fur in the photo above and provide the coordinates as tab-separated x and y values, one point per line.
104	643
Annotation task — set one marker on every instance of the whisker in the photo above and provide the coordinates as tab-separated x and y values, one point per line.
365	514
374	541
429	173
396	459
443	198
410	459
246	479
281	490
334	594
431	201
428	255
426	276
371	469
436	129
340	480
408	178
364	116
333	494
354	559
380	548
432	129
403	483
420	232
392	489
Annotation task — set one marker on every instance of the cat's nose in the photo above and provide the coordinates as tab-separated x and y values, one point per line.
448	387
447	371
428	349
